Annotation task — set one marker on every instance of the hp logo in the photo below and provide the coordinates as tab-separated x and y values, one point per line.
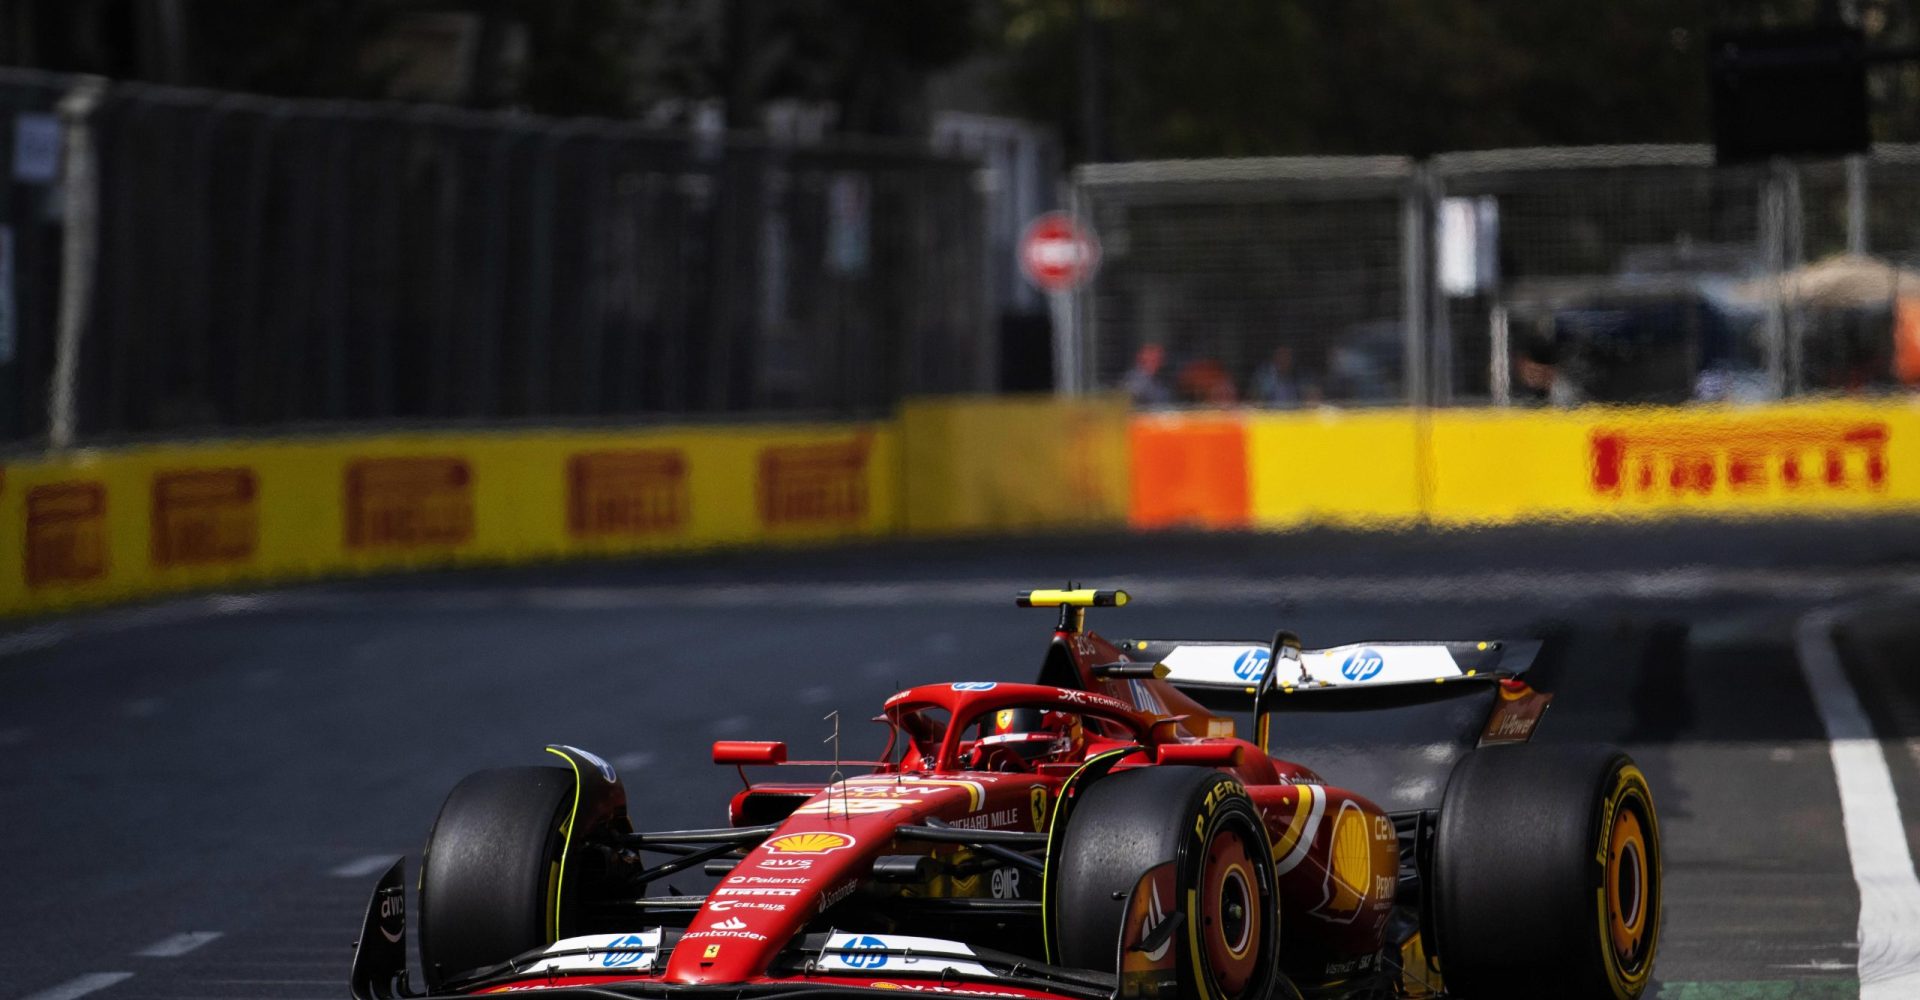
617	959
1252	664
864	952
1362	665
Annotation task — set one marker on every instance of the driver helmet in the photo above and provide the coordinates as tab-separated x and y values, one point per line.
1037	735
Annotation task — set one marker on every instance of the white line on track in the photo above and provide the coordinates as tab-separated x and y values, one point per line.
1687	582
363	867
1694	582
27	641
1691	582
80	986
1876	838
177	945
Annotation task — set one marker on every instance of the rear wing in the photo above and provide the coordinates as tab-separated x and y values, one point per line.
1231	674
1389	718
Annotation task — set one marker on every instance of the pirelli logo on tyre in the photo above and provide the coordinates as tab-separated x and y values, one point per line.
814	484
625	494
1698	458
413	502
204	517
66	533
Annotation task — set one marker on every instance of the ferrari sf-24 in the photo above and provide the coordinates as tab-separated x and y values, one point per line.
1100	834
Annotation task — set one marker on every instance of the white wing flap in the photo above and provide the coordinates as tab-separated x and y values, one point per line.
625	953
1228	665
899	955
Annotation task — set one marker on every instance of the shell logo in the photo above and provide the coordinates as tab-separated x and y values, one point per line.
1350	877
810	843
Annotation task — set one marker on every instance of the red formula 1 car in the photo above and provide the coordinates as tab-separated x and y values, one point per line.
1102	833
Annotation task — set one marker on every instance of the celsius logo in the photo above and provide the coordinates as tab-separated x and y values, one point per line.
865	952
633	949
1362	665
1252	664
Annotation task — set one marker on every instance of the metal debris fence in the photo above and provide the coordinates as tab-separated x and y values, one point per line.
1636	274
177	262
253	263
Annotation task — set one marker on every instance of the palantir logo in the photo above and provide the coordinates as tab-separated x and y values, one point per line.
864	952
1362	665
634	948
1252	664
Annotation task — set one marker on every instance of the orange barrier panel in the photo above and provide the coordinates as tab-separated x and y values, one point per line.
1188	471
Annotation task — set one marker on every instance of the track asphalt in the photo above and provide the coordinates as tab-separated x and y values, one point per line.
198	793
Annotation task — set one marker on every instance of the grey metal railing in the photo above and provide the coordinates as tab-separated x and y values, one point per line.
235	263
1605	274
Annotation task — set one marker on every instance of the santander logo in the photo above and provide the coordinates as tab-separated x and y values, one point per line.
730	924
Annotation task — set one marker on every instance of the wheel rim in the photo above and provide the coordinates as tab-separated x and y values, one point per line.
1628	881
1231	912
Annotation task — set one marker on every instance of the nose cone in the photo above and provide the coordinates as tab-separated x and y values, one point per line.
818	856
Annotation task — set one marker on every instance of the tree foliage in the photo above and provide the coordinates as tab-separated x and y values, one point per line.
1238	77
1174	77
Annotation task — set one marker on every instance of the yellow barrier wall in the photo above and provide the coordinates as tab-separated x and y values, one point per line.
102	525
1463	467
1341	466
1013	464
1492	466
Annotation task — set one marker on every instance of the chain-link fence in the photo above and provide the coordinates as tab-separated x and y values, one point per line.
1609	274
260	263
30	245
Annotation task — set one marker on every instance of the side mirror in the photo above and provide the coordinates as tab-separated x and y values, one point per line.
741	752
1200	754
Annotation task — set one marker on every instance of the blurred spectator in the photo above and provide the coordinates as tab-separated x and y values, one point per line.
1205	381
1278	383
1537	366
1363	364
1906	340
1143	381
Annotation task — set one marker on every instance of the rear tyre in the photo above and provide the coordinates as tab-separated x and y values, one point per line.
490	877
1546	876
1202	820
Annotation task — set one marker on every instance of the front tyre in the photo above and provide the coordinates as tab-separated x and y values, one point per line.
490	876
1547	875
1201	820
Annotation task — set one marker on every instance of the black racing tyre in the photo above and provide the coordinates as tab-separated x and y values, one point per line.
1127	823
489	876
1546	875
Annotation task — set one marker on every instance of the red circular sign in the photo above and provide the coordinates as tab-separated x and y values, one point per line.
1057	254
